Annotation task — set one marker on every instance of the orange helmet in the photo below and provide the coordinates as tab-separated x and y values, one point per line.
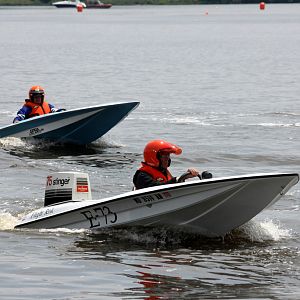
154	147
36	90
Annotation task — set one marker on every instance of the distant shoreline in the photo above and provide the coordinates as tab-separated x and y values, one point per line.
145	2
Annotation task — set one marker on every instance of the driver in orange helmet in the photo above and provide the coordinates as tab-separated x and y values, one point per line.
154	170
35	105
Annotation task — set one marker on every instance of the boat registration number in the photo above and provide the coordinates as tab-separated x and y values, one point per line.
100	216
152	197
36	130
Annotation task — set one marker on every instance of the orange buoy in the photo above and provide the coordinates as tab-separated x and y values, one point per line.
79	7
262	5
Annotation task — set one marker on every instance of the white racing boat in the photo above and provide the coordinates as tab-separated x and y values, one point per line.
68	4
76	126
211	207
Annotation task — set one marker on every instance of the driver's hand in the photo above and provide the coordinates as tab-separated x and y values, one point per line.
192	173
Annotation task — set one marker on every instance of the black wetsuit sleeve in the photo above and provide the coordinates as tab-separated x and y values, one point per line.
142	180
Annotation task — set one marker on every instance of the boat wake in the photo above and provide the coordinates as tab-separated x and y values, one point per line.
106	142
7	221
263	231
46	149
8	143
251	232
64	231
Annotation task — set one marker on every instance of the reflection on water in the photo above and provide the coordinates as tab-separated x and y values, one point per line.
139	263
189	265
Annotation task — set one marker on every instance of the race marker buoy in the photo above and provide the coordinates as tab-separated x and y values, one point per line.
79	7
262	5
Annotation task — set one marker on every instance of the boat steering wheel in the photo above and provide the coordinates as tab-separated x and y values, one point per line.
204	175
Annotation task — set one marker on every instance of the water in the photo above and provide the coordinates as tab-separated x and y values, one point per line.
220	81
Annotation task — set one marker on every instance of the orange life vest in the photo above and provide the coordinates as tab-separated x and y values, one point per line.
156	174
37	110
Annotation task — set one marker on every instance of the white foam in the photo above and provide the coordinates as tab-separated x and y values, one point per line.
64	231
7	221
266	230
188	121
279	124
106	142
9	142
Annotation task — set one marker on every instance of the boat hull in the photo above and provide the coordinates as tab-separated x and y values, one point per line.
68	4
65	5
99	6
210	207
77	126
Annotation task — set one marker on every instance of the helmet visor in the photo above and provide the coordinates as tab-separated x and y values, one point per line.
171	149
36	95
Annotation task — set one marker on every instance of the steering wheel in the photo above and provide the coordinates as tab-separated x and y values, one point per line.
183	177
204	175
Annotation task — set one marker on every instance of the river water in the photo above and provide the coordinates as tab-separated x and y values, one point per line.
222	82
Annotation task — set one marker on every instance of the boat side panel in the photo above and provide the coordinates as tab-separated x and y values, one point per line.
241	207
92	128
26	125
37	125
125	209
213	207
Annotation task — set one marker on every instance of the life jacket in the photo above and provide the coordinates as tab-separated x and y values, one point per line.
155	173
37	110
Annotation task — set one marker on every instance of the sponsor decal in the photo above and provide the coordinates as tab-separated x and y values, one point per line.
42	213
49	181
100	216
82	185
57	181
82	188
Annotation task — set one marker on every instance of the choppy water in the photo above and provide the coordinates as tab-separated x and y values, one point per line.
220	81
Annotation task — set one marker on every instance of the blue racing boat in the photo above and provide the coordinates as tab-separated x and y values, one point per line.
76	126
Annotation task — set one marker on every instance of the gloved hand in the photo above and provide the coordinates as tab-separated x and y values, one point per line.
192	173
206	175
